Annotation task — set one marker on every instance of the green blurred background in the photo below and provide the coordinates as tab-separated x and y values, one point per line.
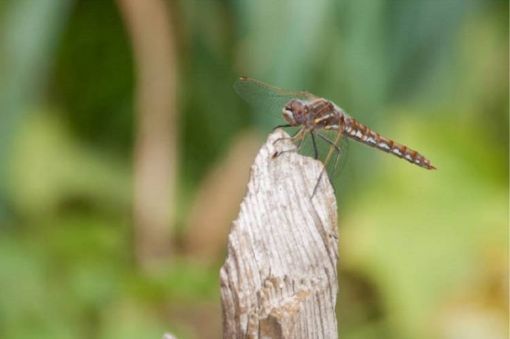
101	239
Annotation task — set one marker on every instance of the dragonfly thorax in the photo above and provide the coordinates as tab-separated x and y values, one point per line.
295	112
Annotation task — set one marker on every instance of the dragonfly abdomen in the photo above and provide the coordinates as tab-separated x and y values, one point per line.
359	132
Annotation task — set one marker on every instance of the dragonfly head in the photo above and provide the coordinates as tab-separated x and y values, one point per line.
295	112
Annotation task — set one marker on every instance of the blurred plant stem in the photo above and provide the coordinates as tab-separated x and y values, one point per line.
155	155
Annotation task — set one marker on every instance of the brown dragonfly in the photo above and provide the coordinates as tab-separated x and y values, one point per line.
313	115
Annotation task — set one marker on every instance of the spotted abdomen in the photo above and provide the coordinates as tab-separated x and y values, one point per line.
362	133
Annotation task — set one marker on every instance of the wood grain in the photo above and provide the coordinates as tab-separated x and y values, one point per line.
279	279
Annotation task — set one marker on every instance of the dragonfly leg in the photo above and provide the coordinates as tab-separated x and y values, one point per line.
337	157
314	144
281	126
297	139
338	150
329	141
292	138
333	148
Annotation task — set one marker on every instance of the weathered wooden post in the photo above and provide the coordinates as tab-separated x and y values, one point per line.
279	279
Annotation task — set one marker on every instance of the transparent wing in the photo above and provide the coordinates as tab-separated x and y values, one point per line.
264	97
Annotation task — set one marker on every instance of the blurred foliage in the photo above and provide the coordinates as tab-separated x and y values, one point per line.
93	77
27	39
423	254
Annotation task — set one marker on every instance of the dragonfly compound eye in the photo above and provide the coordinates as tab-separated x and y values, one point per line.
288	115
294	112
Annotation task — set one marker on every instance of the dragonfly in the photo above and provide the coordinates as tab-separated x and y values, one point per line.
313	115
